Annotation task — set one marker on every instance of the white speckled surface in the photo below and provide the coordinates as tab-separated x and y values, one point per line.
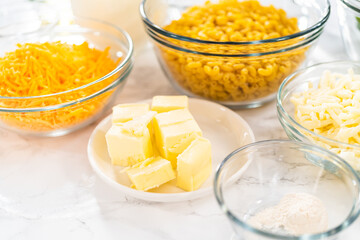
48	190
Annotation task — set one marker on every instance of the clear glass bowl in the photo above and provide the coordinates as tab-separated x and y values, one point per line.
67	111
349	19
258	175
298	82
237	81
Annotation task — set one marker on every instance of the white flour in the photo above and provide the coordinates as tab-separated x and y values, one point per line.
296	214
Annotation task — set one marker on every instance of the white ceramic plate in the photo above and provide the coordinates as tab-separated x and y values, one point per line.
225	129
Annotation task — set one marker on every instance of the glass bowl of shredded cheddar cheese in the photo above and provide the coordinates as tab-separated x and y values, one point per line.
58	81
321	105
231	51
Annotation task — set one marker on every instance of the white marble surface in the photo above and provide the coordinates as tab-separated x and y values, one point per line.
48	190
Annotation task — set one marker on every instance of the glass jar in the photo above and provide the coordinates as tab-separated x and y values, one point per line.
349	19
121	13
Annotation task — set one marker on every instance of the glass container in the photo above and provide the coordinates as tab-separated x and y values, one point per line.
257	176
63	112
349	19
299	82
236	74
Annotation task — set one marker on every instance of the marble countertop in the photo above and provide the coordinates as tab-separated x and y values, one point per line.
49	191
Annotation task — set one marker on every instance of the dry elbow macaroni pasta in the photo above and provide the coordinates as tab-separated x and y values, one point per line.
232	78
332	110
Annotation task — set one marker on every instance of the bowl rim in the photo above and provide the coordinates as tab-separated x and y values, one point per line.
121	65
166	33
352	216
283	112
350	4
181	48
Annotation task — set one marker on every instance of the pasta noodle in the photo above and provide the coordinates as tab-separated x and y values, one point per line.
232	78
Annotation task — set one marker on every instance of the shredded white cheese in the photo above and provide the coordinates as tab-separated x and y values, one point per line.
332	109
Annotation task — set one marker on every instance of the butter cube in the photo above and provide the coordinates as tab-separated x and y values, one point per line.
137	125
173	152
174	131
168	103
173	117
194	165
126	148
126	112
151	173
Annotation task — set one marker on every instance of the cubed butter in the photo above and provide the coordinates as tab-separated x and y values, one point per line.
173	117
137	125
173	136
151	173
168	103
194	165
126	112
126	148
173	152
174	131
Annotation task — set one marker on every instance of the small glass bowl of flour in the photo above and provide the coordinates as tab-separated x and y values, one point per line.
281	189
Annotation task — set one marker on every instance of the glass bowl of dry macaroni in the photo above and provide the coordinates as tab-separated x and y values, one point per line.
233	52
321	104
54	82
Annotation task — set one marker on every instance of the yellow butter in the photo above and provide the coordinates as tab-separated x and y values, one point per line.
126	112
137	125
168	103
173	152
174	131
173	117
172	137
194	165
151	173
126	148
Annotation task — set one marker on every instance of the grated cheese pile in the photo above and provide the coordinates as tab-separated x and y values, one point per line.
332	109
37	69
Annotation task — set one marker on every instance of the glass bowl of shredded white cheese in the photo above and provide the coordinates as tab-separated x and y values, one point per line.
321	104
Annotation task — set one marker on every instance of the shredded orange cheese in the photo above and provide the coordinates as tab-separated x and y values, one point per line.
38	69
